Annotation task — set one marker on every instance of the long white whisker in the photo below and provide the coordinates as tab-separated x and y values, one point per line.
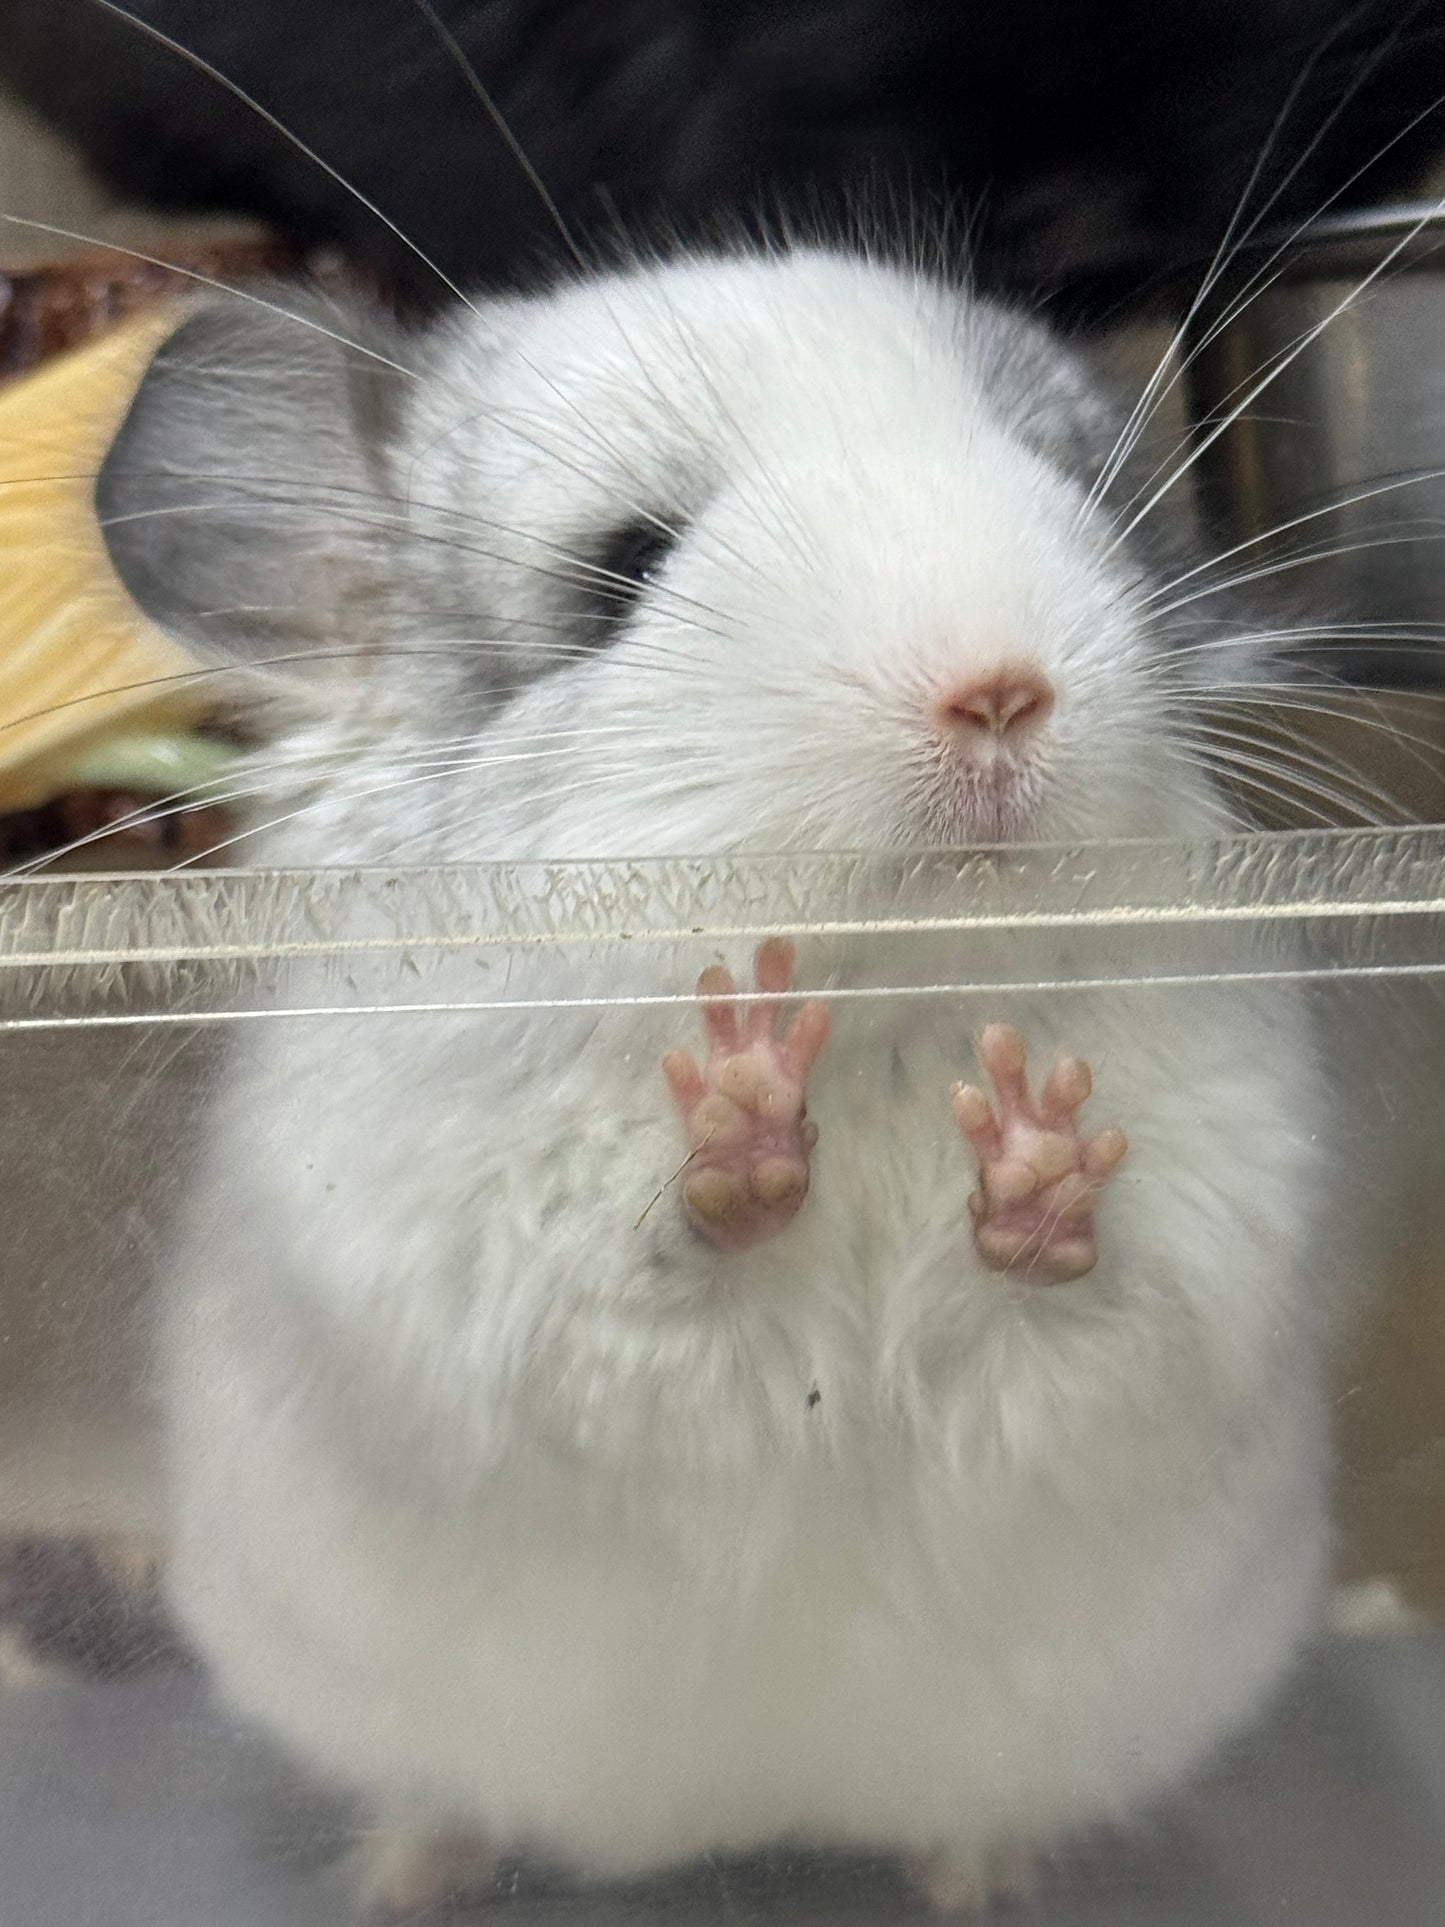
1153	393
1421	749
494	113
210	281
1292	757
578	570
1262	279
1375	489
1277	779
248	101
377	789
1273	369
553	451
1300	559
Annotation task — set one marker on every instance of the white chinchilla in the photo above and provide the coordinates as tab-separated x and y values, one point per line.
827	1503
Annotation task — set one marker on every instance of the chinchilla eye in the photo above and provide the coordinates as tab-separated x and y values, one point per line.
635	553
625	562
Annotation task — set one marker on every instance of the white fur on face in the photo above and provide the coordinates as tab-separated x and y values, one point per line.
863	519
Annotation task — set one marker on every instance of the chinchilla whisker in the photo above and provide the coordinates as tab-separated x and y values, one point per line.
1274	366
458	56
1260	777
802	541
574	571
430	774
287	495
1171	367
1379	486
1421	750
1288	565
249	101
1293	758
550	448
209	281
1322	773
1332	700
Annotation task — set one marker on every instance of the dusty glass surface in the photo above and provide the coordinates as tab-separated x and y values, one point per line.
532	1007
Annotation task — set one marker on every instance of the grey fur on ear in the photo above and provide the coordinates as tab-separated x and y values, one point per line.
246	502
1043	392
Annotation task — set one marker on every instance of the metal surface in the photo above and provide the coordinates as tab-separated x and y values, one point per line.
1335	467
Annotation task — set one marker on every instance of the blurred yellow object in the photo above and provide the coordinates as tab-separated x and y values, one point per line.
81	668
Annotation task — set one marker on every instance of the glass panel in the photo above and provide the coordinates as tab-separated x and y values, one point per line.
416	1418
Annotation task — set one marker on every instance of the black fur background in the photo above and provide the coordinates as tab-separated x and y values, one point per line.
1092	144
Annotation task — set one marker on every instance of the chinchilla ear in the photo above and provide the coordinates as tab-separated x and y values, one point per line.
246	502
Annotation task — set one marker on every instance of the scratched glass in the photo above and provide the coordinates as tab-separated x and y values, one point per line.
134	1789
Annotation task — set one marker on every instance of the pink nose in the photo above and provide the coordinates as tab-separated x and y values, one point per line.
1009	701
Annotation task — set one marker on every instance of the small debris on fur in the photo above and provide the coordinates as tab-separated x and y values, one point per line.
669	1181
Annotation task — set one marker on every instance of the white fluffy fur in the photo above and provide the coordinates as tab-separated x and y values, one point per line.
504	1512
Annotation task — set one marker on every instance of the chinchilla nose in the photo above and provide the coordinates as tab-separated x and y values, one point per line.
1011	701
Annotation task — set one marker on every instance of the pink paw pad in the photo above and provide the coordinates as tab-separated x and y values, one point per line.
743	1109
1033	1211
